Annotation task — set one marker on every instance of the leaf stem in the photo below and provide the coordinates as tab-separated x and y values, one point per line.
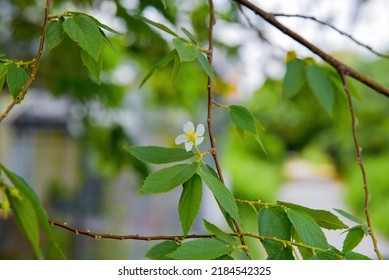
35	65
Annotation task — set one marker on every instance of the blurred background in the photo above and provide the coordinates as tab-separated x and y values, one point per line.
66	137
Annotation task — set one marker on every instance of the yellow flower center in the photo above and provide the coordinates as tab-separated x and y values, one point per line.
191	136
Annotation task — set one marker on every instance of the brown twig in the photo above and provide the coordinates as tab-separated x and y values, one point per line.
333	28
176	238
212	22
360	163
270	18
35	66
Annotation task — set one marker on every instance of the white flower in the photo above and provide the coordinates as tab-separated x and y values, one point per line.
191	137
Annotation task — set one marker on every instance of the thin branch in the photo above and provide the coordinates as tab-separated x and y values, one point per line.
35	66
360	163
177	238
347	70
334	28
211	103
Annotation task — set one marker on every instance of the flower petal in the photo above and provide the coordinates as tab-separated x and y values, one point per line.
199	140
181	139
188	127
200	130
188	146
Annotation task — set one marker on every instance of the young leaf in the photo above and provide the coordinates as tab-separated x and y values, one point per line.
16	78
30	195
190	36
3	69
98	23
108	42
206	66
294	79
355	256
54	34
85	32
353	238
320	83
201	249
2	80
349	216
307	229
26	219
93	66
176	70
158	25
273	221
158	155
189	203
159	251
327	255
242	118
164	4
186	51
168	178
324	219
160	64
223	196
219	233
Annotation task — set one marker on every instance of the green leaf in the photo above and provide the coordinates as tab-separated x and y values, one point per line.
307	229
186	51
355	256
158	155
159	251
189	204
219	233
206	66
93	66
26	219
223	196
320	83
85	32
327	255
201	249
160	64
353	238
3	69
27	192
190	36
273	222
158	25
242	118
164	3
349	216
294	79
176	70
98	23
2	79
168	178
54	34
16	78
324	219
108	42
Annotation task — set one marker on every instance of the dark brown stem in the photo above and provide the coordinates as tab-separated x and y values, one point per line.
360	163
35	66
212	22
270	18
176	238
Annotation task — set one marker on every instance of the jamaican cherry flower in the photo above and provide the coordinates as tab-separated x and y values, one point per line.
191	136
